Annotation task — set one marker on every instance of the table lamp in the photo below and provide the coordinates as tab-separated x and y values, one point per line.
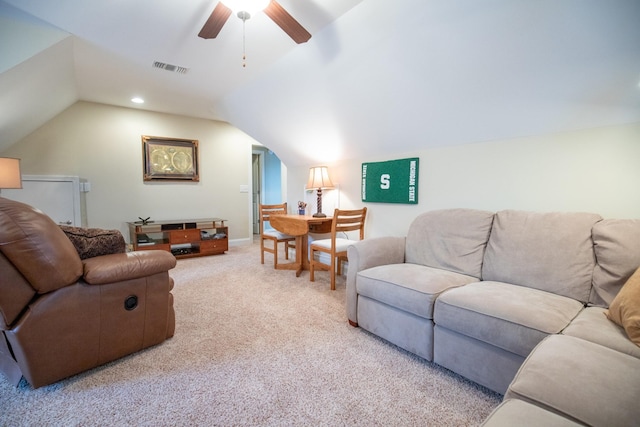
10	176
319	179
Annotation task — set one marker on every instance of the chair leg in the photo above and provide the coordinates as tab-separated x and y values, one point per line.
312	269
333	273
261	251
286	250
275	254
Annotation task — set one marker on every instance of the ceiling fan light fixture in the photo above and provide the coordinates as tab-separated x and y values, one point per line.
249	6
244	8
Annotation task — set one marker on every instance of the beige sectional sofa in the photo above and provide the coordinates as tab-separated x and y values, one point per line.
495	296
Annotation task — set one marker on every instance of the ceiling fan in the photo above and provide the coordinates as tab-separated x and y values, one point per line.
273	10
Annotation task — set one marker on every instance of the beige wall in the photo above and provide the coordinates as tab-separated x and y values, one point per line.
592	170
102	144
595	170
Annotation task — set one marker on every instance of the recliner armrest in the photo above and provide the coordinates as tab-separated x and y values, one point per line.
126	266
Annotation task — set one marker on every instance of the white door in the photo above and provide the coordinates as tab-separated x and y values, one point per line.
56	196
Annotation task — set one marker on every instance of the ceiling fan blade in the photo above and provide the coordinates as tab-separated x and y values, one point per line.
288	24
214	24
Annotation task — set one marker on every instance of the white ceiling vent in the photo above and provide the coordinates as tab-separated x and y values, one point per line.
171	67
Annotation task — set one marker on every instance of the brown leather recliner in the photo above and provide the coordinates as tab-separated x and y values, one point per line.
61	315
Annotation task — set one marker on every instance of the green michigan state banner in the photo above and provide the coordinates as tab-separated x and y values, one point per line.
394	181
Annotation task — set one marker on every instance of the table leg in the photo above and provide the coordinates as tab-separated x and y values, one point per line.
300	244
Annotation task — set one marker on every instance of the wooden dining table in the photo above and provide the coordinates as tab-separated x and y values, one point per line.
300	226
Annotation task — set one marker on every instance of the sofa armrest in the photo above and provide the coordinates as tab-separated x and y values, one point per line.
126	266
376	251
365	254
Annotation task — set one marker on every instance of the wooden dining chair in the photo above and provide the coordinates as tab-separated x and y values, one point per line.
344	221
273	235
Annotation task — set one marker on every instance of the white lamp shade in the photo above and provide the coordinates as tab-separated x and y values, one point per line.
319	178
251	6
10	176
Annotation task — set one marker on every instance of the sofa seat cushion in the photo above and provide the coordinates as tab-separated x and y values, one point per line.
513	412
514	318
592	325
409	287
587	382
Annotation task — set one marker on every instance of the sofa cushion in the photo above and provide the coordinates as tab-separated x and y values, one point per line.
592	325
617	248
587	382
514	318
625	308
451	239
513	412
552	252
409	287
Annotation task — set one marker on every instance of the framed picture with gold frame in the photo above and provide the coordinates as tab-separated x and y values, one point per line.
169	159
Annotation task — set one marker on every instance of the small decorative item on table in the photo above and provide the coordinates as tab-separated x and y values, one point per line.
301	208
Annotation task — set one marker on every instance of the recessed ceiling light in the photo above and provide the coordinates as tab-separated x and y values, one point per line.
137	100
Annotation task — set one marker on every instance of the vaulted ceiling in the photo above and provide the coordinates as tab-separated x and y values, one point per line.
376	77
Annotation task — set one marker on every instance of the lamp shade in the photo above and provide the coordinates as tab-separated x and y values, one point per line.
10	176
319	178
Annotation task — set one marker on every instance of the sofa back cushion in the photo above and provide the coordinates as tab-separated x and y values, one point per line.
37	247
451	239
617	248
551	251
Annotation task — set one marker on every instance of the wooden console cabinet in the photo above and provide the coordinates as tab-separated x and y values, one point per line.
183	238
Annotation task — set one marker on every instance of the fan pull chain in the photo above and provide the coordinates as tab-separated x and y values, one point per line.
244	54
244	16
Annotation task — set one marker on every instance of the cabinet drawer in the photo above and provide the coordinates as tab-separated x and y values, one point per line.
214	245
184	236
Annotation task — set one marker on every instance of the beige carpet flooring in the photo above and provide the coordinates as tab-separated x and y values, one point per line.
255	347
